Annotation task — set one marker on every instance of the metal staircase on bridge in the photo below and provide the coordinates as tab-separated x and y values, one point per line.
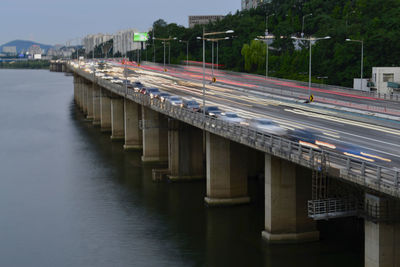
326	202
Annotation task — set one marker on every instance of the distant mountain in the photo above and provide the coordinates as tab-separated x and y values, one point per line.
24	45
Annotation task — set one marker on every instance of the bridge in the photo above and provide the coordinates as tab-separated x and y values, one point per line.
303	182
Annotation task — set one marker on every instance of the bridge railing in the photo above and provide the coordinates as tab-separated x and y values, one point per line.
366	174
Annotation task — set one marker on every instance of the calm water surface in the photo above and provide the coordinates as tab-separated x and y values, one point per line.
71	197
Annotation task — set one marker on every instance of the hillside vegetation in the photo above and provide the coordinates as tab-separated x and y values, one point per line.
376	22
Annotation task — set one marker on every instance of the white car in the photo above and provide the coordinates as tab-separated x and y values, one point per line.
268	126
175	100
231	117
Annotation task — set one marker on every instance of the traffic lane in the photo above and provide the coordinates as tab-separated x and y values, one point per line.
294	86
273	112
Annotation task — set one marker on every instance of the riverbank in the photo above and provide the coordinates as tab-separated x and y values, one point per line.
26	64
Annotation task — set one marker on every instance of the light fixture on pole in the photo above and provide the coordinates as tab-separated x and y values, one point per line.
187	50
302	25
362	57
214	40
266	38
310	40
204	61
164	40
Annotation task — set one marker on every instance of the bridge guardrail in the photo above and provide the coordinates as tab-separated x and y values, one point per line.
366	174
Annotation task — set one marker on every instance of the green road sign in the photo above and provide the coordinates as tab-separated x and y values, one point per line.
140	36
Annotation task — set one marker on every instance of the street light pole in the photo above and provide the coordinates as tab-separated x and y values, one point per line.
204	75
164	55
154	49
204	59
302	26
310	40
212	60
362	59
217	56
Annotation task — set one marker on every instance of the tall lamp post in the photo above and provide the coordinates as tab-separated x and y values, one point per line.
362	57
214	40
302	25
310	40
164	41
266	38
204	61
187	50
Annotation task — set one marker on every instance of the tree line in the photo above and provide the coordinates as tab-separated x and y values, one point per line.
376	22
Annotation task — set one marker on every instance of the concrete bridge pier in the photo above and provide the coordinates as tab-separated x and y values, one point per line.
89	115
155	136
382	239
105	110
81	92
287	189
226	171
84	96
117	118
133	133
76	90
185	151
96	105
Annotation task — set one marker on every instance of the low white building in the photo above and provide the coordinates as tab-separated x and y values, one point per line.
386	79
201	20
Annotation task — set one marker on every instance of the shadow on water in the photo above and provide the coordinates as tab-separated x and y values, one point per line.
202	236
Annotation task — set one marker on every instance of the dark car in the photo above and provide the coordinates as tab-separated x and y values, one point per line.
127	83
212	111
149	91
312	138
191	104
163	96
137	86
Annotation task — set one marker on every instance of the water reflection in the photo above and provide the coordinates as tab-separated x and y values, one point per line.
71	197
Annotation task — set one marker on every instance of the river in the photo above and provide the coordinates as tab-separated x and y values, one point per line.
71	197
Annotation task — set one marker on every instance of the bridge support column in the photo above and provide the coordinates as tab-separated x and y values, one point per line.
76	89
185	151
133	133
382	239
287	189
117	119
89	115
85	97
155	136
226	172
96	105
105	111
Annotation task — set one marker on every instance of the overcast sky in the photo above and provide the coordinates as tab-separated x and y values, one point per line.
55	22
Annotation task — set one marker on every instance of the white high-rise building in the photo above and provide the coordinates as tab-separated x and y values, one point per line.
123	41
92	40
247	4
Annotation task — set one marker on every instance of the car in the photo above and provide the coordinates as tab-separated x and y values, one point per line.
174	100
191	104
311	138
107	77
127	83
155	94
137	86
117	80
149	91
362	154
212	111
163	96
231	117
268	126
